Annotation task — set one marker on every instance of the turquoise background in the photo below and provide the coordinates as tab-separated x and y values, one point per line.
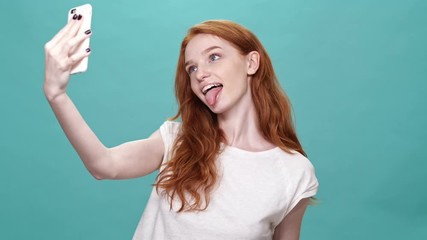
356	73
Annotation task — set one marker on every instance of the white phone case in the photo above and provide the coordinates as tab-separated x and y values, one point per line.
86	12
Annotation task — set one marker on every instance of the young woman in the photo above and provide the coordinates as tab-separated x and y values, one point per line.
231	168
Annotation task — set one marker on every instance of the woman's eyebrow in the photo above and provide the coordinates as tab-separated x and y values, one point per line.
209	49
203	53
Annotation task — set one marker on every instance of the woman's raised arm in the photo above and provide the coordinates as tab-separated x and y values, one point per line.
129	160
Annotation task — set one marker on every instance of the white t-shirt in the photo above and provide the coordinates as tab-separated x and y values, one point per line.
256	190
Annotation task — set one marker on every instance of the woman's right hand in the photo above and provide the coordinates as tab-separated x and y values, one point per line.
61	56
128	160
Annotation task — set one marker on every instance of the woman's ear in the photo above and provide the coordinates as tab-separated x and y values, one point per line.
253	62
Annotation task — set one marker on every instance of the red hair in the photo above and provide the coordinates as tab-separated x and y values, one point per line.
191	172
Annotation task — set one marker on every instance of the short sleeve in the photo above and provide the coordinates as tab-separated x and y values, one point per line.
169	130
305	183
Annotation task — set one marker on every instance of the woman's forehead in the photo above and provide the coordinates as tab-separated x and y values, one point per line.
202	42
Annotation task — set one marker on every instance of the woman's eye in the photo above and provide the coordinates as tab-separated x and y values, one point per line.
214	57
192	69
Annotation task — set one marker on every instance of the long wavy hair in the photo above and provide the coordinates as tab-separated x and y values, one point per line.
191	173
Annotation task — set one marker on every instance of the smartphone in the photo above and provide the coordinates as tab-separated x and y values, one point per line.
86	12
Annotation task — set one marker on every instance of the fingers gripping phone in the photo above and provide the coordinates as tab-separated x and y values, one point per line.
86	12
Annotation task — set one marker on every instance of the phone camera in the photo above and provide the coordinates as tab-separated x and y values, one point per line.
73	11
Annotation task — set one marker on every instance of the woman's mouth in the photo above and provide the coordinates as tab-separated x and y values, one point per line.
211	93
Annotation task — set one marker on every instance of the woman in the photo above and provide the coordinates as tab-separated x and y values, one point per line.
233	168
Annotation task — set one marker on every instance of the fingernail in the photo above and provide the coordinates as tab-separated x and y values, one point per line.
75	16
87	49
88	31
79	17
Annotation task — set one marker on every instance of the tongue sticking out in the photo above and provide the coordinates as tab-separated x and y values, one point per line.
211	95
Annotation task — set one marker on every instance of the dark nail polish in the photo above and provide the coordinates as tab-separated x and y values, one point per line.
75	16
88	32
79	17
87	49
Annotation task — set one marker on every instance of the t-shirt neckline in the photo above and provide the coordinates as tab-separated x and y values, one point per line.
232	149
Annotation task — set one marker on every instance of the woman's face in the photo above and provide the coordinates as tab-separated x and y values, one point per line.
219	73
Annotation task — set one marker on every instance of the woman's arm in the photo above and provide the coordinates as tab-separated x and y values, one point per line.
290	227
132	159
129	160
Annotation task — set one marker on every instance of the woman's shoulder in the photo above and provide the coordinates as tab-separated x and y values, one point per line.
295	160
170	127
299	171
169	130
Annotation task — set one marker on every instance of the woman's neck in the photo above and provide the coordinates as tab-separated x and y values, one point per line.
241	128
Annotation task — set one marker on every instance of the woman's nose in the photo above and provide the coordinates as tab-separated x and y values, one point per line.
202	73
